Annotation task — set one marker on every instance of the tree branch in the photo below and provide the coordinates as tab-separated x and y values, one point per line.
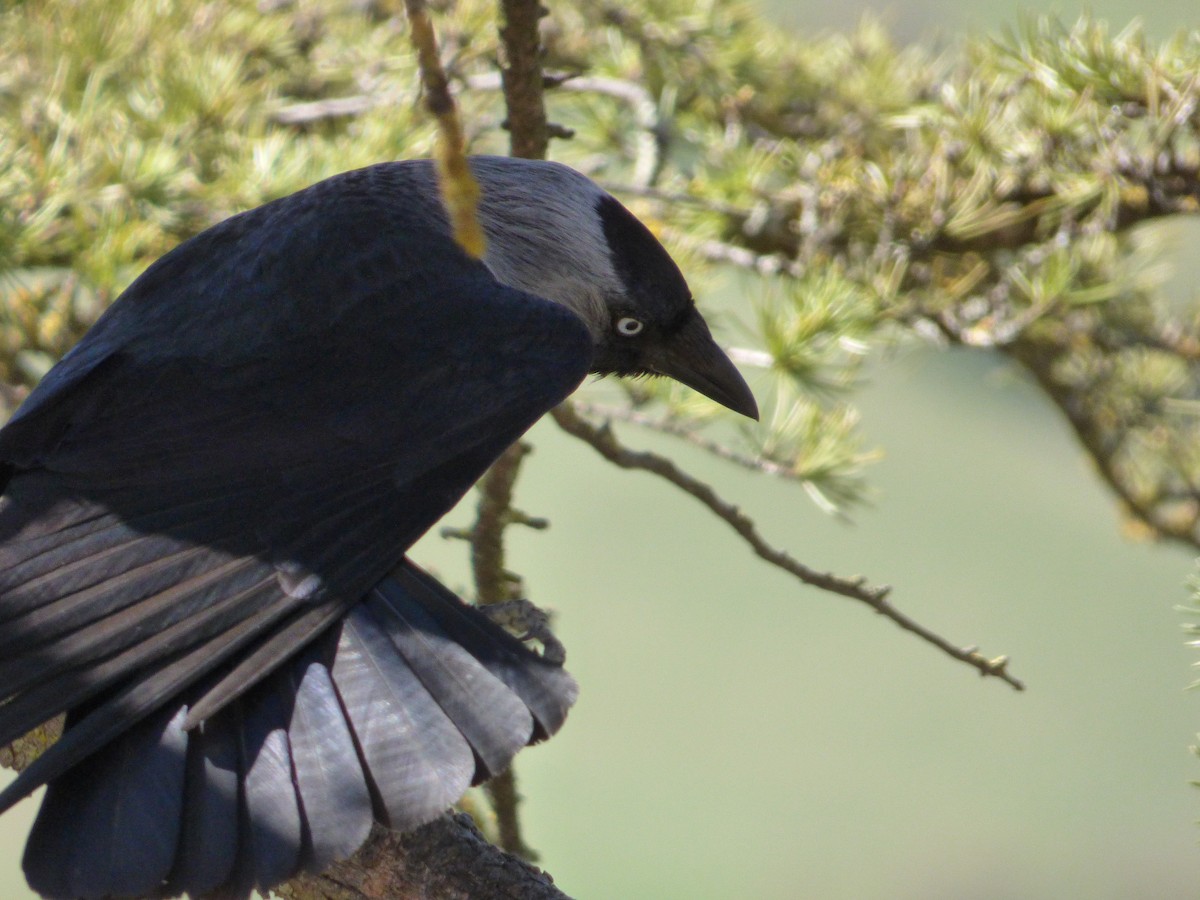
529	135
494	583
604	442
448	859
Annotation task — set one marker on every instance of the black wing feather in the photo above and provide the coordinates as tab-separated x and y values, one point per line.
245	443
209	826
110	825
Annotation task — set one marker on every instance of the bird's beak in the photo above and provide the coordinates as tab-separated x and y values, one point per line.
693	358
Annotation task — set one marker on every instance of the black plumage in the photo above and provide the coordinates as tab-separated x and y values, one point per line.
207	503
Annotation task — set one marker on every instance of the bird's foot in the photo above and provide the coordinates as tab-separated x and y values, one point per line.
528	623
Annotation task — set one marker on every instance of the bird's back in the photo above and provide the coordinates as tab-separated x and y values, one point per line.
205	515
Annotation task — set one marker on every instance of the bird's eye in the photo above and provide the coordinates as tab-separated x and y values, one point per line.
627	326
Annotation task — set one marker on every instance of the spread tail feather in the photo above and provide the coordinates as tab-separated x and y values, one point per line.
389	715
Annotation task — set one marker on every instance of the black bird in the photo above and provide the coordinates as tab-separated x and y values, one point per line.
207	503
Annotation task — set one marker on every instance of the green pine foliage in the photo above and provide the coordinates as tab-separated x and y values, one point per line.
985	196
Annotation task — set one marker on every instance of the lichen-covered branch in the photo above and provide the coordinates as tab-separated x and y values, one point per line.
494	583
448	859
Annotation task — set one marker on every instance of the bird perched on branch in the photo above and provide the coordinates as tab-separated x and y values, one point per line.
207	504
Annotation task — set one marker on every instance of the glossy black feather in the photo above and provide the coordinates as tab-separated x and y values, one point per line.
272	807
110	824
209	824
240	450
334	795
545	688
492	719
417	761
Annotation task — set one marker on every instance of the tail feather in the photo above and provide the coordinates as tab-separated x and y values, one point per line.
544	687
492	718
271	844
417	762
109	825
390	714
334	796
208	835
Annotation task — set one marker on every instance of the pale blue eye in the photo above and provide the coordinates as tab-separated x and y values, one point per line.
628	326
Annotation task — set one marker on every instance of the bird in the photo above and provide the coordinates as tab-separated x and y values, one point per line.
206	509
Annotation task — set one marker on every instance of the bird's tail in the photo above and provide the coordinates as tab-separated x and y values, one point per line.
390	715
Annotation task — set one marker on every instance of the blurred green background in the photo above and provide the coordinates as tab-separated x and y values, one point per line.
741	737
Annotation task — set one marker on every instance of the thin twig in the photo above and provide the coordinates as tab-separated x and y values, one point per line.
604	442
687	434
495	584
332	108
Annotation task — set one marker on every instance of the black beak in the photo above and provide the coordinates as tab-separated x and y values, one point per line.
692	357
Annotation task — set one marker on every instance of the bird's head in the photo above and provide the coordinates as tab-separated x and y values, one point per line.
554	233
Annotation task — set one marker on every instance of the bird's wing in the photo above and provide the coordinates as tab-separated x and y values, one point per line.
247	442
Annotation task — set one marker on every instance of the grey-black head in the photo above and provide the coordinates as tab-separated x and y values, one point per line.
554	233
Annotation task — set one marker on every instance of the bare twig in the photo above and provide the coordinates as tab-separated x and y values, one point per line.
494	583
604	442
687	434
332	108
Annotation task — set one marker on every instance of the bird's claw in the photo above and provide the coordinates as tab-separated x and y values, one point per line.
526	622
